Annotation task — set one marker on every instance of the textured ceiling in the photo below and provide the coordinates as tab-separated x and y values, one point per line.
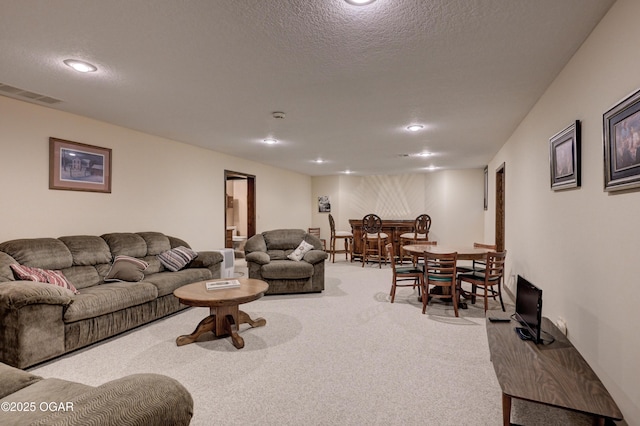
350	79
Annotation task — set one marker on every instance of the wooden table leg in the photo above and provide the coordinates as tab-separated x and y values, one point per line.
223	321
231	328
207	324
244	318
506	409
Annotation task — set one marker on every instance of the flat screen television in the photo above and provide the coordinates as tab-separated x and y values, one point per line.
528	310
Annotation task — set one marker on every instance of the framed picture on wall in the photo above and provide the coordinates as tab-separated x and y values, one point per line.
622	145
324	205
75	166
564	158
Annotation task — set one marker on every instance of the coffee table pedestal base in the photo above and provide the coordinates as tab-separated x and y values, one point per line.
222	321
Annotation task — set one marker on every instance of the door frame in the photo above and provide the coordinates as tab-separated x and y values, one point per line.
500	206
251	199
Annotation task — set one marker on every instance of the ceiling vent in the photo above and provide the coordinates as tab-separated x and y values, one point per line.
15	92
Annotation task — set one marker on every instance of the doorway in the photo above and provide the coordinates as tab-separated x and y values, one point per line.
500	207
240	208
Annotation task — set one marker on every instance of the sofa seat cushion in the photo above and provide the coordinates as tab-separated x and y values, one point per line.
166	282
287	269
107	298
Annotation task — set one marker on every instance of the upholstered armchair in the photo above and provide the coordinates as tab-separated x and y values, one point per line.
272	257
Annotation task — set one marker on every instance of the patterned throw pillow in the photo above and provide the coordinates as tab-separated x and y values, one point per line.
177	258
56	278
126	268
300	251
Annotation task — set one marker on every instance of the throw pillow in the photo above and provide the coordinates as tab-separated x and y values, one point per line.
126	268
177	258
300	251
56	278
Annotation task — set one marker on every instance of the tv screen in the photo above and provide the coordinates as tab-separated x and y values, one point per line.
528	309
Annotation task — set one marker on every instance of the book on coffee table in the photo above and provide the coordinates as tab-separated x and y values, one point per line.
214	285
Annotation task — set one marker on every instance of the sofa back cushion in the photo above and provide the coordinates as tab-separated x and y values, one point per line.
126	244
283	239
87	249
157	242
45	253
85	276
6	273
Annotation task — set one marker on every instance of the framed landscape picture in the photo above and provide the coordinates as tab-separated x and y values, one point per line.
75	166
622	145
564	158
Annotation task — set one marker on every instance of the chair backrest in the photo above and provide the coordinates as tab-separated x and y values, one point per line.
422	225
332	225
371	224
440	268
495	266
389	255
315	232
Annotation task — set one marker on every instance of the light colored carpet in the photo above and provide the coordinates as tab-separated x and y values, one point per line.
343	357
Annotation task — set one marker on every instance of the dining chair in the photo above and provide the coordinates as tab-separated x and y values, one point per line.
489	280
316	233
440	271
476	265
373	239
346	236
419	235
403	273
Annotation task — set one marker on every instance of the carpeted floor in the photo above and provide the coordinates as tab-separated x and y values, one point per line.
343	357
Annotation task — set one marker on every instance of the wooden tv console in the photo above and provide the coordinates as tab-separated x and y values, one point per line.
553	374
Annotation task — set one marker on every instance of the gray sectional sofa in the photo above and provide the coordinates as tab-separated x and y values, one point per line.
41	321
267	259
138	399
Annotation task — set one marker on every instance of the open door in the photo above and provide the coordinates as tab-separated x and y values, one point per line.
240	207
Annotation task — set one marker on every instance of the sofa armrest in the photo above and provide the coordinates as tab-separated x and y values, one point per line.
16	294
259	257
14	379
206	259
315	256
138	399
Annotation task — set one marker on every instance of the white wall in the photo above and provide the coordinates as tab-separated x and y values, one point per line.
581	246
158	184
453	199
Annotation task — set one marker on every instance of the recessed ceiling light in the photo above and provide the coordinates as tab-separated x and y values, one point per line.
347	172
80	66
423	154
415	127
359	2
432	167
318	161
270	141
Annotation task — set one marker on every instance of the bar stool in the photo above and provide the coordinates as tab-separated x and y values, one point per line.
316	233
373	239
335	235
419	235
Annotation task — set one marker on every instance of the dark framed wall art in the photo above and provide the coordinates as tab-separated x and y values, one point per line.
622	145
564	158
75	166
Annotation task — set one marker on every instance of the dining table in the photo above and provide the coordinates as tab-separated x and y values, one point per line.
464	253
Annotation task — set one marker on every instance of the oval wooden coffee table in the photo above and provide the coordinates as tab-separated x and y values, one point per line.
225	317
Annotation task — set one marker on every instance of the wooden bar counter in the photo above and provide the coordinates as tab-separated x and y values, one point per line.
392	227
